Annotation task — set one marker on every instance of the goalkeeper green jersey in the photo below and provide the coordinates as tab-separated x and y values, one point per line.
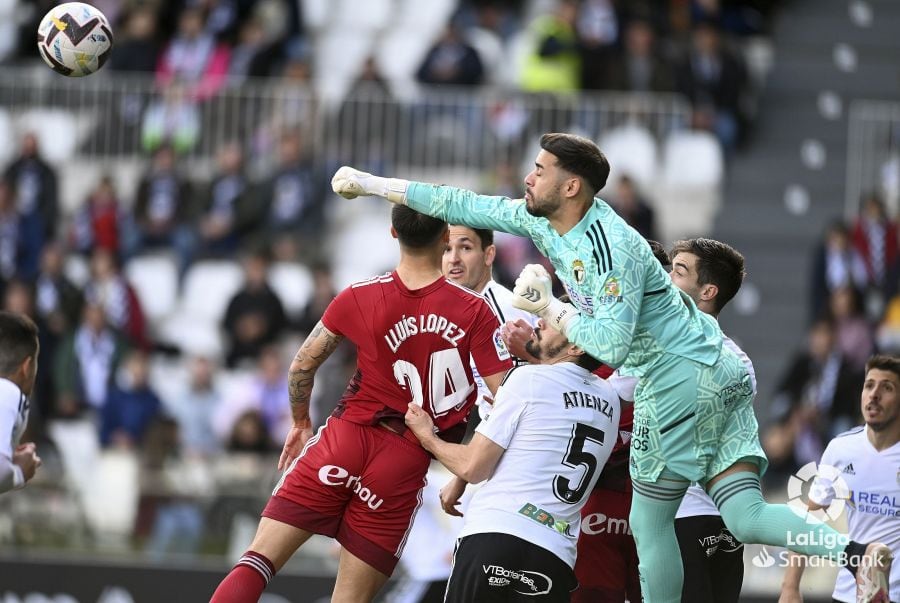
631	313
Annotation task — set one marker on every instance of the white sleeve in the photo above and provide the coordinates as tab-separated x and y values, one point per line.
509	405
11	476
623	386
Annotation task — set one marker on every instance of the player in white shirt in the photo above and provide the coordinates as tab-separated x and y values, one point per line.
18	369
468	261
541	451
866	462
710	273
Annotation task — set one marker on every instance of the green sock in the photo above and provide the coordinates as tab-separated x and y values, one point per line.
752	520
653	508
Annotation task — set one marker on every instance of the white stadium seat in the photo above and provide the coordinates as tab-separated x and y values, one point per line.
631	150
155	282
208	287
292	284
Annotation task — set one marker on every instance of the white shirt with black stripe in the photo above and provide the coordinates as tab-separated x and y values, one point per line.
557	425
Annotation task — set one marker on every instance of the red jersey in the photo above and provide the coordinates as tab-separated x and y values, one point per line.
415	346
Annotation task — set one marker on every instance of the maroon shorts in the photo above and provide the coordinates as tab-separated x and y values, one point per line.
360	484
607	563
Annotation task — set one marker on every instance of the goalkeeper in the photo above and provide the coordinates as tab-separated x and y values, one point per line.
693	418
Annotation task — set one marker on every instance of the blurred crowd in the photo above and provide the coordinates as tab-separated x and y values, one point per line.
853	311
98	352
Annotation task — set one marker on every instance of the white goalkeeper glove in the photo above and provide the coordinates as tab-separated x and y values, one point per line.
534	293
351	183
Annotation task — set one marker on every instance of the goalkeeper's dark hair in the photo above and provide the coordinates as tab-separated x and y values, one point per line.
18	341
416	230
585	361
579	156
718	264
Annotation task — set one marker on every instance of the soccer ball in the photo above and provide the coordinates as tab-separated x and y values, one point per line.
74	39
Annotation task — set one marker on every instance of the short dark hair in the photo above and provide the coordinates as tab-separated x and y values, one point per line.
585	361
718	264
579	156
485	235
884	362
18	341
660	253
416	230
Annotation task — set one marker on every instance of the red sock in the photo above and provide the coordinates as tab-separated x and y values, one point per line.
246	581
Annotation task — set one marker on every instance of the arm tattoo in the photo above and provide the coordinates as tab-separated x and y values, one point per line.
315	350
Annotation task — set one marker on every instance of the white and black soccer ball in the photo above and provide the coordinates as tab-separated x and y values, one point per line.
74	39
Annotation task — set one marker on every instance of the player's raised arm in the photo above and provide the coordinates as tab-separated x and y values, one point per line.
318	346
454	205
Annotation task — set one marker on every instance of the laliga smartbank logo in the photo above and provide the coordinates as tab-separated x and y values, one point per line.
812	482
830	485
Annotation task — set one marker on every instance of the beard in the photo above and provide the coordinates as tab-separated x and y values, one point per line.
543	208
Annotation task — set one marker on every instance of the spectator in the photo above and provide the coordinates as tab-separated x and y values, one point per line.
86	362
255	316
10	233
597	25
853	334
629	204
813	402
323	294
194	409
109	288
640	67
98	222
264	393
451	61
162	209
194	57
34	183
136	49
172	119
874	236
131	405
58	306
225	212
249	435
255	53
713	80
553	64
836	263
293	215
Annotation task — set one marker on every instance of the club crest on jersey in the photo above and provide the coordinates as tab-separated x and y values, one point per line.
578	271
612	291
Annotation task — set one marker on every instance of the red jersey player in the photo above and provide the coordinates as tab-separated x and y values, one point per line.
360	478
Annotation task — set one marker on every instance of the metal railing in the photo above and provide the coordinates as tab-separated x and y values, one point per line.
113	116
873	154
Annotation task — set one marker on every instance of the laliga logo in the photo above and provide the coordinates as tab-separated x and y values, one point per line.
829	475
763	559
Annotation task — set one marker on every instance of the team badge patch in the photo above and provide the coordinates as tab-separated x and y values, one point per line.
578	271
612	287
500	346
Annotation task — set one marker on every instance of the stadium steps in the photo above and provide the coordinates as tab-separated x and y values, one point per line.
778	242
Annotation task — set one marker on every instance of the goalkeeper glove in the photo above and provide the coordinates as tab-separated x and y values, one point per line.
534	293
351	183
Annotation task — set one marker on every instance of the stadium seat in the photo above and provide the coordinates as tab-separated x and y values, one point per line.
490	50
371	15
427	19
631	150
208	287
398	55
292	284
370	231
77	270
688	193
338	58
316	13
57	132
8	141
194	326
155	281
